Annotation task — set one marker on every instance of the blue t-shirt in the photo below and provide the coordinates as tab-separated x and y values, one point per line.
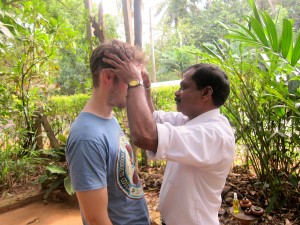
99	155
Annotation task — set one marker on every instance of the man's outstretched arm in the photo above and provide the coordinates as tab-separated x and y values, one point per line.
142	126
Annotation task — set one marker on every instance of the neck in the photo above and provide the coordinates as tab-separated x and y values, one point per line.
98	105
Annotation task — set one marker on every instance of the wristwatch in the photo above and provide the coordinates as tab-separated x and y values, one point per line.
135	83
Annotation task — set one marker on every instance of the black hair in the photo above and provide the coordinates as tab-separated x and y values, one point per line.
211	75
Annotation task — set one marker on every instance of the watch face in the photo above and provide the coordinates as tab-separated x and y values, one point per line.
134	83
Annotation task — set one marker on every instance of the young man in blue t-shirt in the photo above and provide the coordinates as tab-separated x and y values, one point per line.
99	156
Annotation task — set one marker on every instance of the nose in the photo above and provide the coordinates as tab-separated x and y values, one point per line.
177	93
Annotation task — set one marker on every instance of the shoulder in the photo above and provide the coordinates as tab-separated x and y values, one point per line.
88	126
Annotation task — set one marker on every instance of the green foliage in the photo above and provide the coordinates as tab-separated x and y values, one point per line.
75	73
29	58
15	167
56	176
264	103
111	27
261	32
62	110
173	61
163	98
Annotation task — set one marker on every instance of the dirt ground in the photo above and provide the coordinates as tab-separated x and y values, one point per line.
60	212
54	213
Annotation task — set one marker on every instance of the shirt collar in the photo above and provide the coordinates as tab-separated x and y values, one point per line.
205	116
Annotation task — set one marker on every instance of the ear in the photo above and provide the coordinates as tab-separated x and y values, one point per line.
107	76
207	91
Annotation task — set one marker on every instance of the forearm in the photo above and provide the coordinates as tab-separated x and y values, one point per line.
94	206
149	99
100	222
141	122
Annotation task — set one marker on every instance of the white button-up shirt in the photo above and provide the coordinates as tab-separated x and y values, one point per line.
199	153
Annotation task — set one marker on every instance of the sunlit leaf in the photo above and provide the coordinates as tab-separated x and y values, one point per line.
286	38
56	169
212	53
259	30
220	50
68	185
243	38
247	31
255	11
296	52
271	31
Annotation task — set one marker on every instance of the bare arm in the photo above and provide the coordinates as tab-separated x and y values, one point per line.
147	85
94	206
141	122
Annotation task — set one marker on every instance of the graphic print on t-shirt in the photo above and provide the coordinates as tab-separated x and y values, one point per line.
127	176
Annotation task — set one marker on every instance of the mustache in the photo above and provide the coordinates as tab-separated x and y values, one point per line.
177	100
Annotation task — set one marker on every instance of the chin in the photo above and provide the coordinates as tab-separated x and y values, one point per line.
121	106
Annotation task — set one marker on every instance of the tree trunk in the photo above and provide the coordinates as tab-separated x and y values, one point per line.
88	7
152	49
50	134
38	131
101	23
126	5
138	28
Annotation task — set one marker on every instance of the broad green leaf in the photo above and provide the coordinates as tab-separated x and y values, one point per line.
68	186
219	50
296	52
212	53
295	78
243	38
255	11
271	31
259	30
247	31
62	138
56	169
286	38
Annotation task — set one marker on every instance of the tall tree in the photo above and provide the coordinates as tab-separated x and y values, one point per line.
152	48
99	28
127	12
101	22
174	10
138	23
88	7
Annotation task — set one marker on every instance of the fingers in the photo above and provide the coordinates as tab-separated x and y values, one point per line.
111	62
120	59
123	57
112	59
145	73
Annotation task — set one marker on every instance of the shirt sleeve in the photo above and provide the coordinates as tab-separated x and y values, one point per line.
87	166
197	145
174	118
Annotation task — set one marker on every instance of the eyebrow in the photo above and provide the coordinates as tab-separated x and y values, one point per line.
183	83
